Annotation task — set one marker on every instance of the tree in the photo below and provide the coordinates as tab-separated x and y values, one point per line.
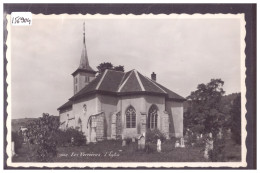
17	138
103	66
236	119
41	133
119	68
107	65
204	114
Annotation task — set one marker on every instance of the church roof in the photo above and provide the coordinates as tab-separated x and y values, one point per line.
68	105
120	83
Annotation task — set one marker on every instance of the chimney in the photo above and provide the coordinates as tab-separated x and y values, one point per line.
153	76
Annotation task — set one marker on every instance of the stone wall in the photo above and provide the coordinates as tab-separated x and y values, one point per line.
139	104
81	82
116	125
165	124
142	105
143	125
175	111
159	101
64	119
100	127
108	105
78	112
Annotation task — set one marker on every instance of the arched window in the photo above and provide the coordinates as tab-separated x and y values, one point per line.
130	117
152	117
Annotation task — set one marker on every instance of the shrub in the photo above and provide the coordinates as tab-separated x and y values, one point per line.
64	137
152	136
218	154
128	140
61	138
191	138
41	132
17	138
236	119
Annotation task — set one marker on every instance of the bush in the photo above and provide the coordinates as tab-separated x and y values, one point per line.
218	154
17	138
41	132
236	119
128	141
64	137
191	138
152	136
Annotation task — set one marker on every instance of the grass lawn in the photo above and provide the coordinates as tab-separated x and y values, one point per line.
112	151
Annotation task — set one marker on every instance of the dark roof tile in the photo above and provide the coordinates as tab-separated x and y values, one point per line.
111	81
148	85
68	104
131	85
171	94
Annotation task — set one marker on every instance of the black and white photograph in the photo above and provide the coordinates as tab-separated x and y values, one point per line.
150	90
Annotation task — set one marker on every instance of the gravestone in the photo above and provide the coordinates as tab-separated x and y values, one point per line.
220	134
210	135
208	146
88	140
72	140
159	147
182	143
198	137
206	153
123	140
93	136
141	142
12	148
177	144
133	139
123	143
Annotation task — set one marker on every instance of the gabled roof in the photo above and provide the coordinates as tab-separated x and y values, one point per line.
120	83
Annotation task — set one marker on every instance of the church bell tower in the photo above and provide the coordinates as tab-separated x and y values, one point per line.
84	73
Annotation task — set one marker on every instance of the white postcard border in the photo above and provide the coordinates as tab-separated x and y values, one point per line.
243	162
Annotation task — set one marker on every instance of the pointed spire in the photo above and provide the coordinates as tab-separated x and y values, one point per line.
84	64
84	33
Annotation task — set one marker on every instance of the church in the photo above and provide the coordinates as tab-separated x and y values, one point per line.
119	105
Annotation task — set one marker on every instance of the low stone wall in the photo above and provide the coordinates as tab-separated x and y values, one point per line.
100	127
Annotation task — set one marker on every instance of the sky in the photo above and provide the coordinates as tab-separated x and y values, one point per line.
182	52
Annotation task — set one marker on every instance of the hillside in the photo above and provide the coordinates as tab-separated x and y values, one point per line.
17	123
226	100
